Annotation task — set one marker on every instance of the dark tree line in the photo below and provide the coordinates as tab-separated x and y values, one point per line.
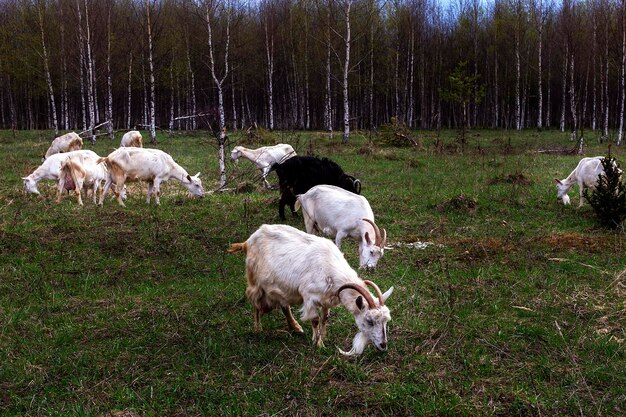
311	64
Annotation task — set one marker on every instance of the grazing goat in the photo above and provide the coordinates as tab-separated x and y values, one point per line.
50	169
264	157
83	171
151	165
585	175
336	212
299	174
285	266
132	138
65	143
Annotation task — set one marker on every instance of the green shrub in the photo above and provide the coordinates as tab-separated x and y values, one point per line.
608	199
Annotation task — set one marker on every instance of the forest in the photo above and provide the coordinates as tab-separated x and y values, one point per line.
333	65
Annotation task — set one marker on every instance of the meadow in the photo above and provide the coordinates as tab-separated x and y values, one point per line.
515	306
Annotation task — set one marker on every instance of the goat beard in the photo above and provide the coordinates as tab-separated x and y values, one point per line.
359	343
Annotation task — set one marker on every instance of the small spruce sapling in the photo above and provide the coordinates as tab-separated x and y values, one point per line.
608	199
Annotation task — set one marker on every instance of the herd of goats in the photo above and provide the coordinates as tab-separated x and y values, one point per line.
284	266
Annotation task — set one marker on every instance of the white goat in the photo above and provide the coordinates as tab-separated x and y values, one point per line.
83	171
132	138
50	169
65	143
336	212
151	165
264	157
585	175
285	266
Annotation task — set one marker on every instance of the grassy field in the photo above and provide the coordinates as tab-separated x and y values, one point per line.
517	308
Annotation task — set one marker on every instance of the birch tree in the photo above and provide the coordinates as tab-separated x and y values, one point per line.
152	86
347	39
53	108
623	76
269	52
218	80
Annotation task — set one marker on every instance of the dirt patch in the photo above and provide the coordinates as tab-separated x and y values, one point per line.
577	242
459	203
515	179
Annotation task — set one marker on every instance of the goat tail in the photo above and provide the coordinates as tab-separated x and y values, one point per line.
103	159
297	205
238	247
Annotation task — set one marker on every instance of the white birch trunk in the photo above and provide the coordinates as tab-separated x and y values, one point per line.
171	125
411	81
564	96
269	51
539	70
593	60
606	81
518	76
307	106
549	93
572	97
47	71
130	90
90	77
623	76
328	110
234	102
145	90
152	86
219	83
371	86
81	51
346	69
109	81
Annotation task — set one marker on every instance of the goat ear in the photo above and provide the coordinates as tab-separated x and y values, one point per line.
387	294
367	238
558	182
359	302
197	175
188	178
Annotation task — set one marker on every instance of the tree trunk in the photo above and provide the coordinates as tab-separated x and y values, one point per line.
269	51
572	97
47	70
90	78
193	89
109	115
232	92
518	75
81	50
346	69
563	95
171	126
623	76
130	90
606	81
328	110
152	86
539	71
593	60
219	83
411	79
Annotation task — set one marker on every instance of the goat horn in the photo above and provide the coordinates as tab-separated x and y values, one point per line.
375	287
379	239
363	291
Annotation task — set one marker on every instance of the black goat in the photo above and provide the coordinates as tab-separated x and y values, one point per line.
300	173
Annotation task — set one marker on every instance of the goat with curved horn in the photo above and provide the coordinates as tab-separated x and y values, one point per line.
339	213
285	266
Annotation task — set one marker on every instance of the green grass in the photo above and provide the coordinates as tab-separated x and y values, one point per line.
518	309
